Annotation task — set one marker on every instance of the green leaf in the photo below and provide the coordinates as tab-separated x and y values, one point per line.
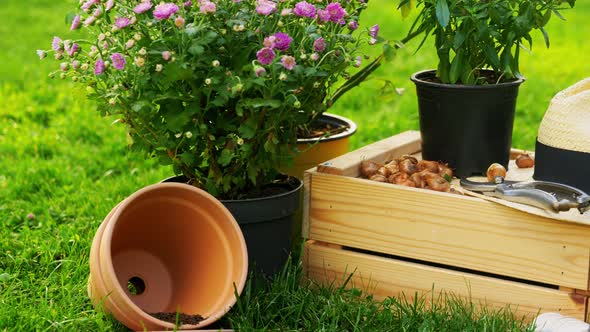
389	52
406	7
458	39
226	157
248	128
492	55
187	158
442	13
196	49
456	68
141	105
558	14
545	36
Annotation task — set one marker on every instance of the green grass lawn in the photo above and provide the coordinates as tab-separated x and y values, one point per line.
62	168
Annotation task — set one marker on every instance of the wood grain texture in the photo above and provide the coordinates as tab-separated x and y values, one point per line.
389	277
348	165
306	202
448	229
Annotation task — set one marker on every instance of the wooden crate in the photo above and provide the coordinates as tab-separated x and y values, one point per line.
406	240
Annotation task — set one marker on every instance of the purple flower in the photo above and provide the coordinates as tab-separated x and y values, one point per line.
42	54
187	4
56	44
323	15
89	20
286	11
143	7
75	64
63	66
122	22
314	57
265	7
353	25
336	12
374	31
259	71
319	45
288	62
269	42
99	67
282	41
97	12
118	61
165	10
89	4
75	23
304	9
109	5
73	49
358	61
208	7
265	56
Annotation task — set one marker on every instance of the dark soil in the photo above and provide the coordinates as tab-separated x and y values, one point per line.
182	317
488	78
281	185
320	130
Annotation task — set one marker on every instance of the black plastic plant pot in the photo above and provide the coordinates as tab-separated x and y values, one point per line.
266	223
467	126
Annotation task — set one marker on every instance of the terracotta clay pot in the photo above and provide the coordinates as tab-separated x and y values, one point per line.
169	247
314	151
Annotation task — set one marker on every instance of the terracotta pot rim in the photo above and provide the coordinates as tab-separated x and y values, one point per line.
329	117
109	268
418	78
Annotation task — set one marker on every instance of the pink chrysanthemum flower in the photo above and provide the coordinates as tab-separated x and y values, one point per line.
122	22
358	61
286	12
288	62
323	15
282	41
56	44
187	4
314	57
89	20
166	55
265	7
374	31
265	56
269	42
86	6
336	12
142	7
75	64
179	22
118	61
73	49
97	12
319	45
165	10
353	25
75	23
98	67
207	7
304	9
259	71
109	5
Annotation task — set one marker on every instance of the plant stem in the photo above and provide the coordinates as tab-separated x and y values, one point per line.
360	76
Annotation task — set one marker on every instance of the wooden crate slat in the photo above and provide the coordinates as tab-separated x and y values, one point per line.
390	277
348	165
448	229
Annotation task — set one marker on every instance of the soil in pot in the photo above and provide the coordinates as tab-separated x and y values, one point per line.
181	318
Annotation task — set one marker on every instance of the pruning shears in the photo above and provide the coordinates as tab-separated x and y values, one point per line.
550	196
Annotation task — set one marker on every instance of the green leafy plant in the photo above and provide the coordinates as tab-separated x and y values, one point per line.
219	89
481	34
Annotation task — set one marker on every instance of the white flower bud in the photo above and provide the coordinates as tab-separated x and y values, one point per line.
139	61
159	67
208	81
179	135
283	77
137	36
142	51
84	66
101	37
215	63
112	101
188	134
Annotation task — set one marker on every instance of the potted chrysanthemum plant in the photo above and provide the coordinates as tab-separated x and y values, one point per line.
221	90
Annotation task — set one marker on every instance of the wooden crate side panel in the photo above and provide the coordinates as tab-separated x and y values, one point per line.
448	229
348	165
306	203
389	277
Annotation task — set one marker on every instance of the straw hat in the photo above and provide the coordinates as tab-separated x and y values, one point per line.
562	151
